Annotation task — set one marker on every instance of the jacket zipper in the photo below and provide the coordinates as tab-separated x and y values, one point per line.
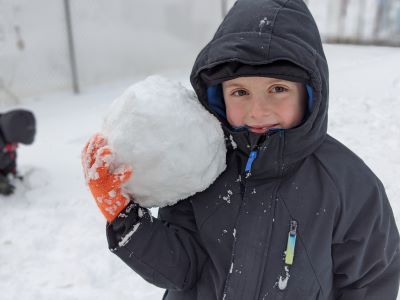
252	156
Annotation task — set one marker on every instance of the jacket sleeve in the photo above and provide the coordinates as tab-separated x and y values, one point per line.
165	251
365	248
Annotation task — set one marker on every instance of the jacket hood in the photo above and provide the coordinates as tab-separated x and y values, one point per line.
260	32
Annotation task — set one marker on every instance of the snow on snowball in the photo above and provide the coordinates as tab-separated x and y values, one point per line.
175	147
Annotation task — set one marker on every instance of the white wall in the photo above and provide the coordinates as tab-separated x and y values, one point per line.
113	40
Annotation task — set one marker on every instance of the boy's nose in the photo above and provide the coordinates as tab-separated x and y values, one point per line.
259	109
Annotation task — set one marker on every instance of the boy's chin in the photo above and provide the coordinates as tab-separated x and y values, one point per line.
254	130
258	131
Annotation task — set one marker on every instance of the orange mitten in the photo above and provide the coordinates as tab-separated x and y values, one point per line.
103	178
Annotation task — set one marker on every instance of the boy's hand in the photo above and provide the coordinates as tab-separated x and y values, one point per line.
103	179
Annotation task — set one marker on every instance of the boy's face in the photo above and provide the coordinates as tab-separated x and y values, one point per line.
261	103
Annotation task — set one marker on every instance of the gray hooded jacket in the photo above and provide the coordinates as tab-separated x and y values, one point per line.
230	242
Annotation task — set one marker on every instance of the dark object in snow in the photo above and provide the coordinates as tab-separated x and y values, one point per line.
16	126
6	188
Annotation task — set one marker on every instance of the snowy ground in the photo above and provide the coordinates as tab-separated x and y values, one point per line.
52	241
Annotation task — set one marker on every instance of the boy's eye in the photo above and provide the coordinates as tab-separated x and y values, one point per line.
279	89
240	93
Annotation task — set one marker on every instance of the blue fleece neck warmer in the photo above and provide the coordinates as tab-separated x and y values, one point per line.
216	101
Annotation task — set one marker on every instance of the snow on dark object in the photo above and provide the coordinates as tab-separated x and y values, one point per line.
175	147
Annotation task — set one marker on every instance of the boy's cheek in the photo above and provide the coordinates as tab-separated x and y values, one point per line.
234	118
294	119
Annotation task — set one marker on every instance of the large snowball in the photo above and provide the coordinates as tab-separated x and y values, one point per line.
175	146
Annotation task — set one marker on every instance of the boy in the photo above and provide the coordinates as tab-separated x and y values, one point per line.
16	126
306	219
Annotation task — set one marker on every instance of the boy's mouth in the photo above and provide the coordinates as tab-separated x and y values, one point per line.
261	128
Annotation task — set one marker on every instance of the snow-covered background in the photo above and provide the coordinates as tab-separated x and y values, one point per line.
52	236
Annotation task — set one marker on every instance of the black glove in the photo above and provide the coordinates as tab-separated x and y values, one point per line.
6	188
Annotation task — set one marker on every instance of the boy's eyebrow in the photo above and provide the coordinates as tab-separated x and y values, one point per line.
233	84
277	79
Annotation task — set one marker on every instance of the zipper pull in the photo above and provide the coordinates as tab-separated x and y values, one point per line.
291	243
289	255
250	160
